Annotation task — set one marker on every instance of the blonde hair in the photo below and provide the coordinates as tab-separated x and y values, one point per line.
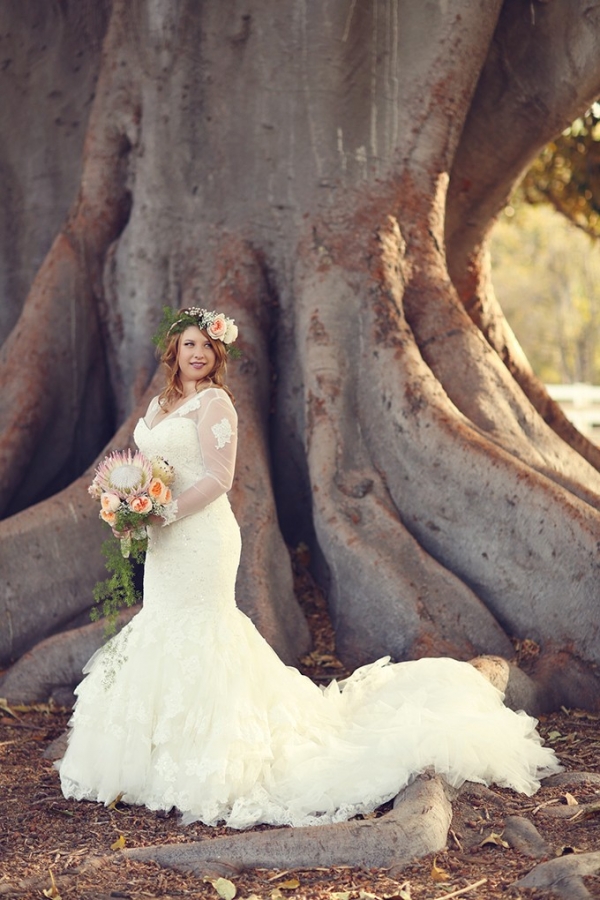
173	390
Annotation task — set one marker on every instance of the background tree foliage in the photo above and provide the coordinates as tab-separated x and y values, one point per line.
566	174
547	273
547	277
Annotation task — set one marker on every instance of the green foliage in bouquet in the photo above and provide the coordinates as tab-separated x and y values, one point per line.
131	489
119	590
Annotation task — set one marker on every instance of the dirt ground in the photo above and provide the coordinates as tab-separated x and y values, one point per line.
63	849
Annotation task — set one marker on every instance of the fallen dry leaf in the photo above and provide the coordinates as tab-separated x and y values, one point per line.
52	891
403	893
118	844
495	840
6	708
117	799
438	874
225	888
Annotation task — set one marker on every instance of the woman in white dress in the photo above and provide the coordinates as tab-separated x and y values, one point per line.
189	707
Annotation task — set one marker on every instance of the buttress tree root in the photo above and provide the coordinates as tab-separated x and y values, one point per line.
329	174
416	826
563	877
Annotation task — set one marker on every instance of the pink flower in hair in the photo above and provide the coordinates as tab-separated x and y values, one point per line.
216	330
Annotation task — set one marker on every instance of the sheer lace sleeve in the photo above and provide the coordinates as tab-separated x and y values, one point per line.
216	420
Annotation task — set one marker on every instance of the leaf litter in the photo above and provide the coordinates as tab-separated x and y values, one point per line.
42	832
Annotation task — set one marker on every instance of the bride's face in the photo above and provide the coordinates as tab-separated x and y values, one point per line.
196	358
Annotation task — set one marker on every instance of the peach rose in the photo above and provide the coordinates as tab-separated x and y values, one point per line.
218	328
159	491
110	502
109	517
141	505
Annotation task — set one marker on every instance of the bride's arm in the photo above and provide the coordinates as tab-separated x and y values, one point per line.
216	420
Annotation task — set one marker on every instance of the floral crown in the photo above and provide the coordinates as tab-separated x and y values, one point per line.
216	325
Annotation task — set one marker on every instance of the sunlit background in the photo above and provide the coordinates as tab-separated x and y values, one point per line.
546	269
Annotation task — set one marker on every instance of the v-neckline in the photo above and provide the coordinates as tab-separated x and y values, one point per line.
155	424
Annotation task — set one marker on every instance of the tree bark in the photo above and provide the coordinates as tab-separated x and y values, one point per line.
417	825
289	163
50	61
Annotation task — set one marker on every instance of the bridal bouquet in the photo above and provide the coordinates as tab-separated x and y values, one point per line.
130	488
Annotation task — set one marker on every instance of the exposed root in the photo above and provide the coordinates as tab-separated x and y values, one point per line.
417	825
266	591
522	835
486	515
563	778
520	691
60	540
387	594
563	876
53	668
53	416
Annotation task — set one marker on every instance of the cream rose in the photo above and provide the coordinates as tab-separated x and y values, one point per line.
217	328
231	333
162	470
141	505
110	502
95	490
109	517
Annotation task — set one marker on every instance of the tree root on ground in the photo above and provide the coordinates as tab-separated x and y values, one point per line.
573	778
53	667
563	876
416	826
522	835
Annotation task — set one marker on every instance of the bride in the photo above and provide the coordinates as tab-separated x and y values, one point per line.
189	707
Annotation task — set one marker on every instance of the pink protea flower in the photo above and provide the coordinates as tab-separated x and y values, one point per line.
124	473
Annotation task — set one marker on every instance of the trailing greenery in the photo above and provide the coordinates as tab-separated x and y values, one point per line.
118	591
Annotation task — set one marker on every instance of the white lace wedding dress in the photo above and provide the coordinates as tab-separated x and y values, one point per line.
189	707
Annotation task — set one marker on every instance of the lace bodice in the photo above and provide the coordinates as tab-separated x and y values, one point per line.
200	443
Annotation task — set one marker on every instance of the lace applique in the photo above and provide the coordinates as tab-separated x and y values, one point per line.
114	656
223	432
195	402
169	513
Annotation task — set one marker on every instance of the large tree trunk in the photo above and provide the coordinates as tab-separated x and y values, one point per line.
288	163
